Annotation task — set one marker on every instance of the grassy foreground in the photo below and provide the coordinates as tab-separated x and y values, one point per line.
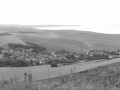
101	78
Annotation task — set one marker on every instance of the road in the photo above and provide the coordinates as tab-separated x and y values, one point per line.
41	72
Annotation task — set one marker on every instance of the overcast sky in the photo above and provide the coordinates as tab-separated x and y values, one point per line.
92	15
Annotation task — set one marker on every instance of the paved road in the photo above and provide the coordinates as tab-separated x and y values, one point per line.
41	72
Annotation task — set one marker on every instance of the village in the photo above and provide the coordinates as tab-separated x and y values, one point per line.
22	56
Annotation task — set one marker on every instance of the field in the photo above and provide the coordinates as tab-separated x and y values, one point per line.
101	78
71	40
51	42
105	77
41	72
93	75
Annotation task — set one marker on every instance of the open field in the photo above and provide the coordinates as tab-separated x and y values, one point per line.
71	40
100	78
41	72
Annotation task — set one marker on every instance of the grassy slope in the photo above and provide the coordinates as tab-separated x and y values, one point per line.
78	41
101	78
96	40
56	43
6	37
11	39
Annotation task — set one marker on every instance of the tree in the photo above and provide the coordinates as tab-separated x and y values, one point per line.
31	62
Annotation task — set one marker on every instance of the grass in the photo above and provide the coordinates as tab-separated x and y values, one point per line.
71	40
101	78
56	43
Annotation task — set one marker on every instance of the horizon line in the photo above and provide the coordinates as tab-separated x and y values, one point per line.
41	25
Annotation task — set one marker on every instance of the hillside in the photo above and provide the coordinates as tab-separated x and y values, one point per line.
94	40
6	38
56	43
101	78
71	40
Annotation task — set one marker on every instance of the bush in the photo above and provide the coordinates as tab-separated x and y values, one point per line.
54	65
17	63
36	48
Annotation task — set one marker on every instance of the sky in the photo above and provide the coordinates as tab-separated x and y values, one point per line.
91	15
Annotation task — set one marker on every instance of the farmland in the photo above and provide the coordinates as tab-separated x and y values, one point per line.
70	40
102	78
32	59
41	72
106	76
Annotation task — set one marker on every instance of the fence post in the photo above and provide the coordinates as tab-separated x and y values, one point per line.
3	80
74	72
49	76
60	78
37	86
74	78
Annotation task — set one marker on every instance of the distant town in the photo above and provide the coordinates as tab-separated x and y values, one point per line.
17	55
